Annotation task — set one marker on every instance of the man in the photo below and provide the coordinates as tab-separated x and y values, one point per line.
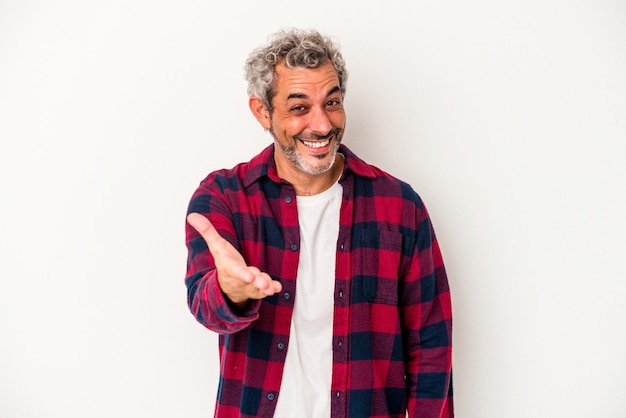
321	273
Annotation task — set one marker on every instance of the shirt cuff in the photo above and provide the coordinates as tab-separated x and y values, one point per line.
225	310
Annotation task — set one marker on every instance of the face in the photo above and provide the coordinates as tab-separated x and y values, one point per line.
307	120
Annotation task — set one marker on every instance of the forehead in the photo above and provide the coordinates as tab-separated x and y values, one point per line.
289	81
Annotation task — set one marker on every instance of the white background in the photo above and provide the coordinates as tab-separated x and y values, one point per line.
508	117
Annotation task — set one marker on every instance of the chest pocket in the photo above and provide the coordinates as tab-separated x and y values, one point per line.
378	266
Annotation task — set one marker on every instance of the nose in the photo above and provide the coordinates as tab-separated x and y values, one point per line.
319	122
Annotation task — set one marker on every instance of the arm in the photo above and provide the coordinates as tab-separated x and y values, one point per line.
427	326
223	291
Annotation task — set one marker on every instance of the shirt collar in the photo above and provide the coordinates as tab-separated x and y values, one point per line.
263	165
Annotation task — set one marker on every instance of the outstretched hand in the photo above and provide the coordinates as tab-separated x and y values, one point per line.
238	281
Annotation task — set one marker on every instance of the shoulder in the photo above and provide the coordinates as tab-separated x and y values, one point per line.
241	175
372	181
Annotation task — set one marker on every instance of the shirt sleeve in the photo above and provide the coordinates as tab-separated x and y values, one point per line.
427	327
205	298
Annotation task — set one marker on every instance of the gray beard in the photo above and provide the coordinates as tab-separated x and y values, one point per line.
295	158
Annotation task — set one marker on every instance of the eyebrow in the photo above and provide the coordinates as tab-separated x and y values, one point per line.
304	96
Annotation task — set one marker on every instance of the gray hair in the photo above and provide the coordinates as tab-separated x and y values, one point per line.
298	48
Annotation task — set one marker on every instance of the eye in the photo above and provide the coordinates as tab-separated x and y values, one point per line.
298	108
333	103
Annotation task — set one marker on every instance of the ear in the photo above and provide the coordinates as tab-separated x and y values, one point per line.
260	112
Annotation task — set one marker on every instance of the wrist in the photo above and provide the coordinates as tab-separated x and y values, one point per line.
236	306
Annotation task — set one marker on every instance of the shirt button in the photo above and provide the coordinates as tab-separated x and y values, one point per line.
271	396
341	294
293	247
281	346
341	247
340	343
337	394
287	295
288	199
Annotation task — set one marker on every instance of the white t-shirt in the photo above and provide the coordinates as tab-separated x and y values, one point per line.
305	388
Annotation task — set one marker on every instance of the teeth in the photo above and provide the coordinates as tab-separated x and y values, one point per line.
316	144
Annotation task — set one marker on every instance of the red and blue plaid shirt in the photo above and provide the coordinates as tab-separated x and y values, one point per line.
392	323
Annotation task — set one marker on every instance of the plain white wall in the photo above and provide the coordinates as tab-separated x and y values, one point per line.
509	118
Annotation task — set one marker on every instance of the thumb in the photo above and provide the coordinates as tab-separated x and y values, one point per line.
206	229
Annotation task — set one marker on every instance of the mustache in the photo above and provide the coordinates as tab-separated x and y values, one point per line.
317	137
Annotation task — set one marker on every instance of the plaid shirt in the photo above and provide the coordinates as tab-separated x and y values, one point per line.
392	323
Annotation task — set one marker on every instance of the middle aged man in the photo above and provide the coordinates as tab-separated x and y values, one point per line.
321	273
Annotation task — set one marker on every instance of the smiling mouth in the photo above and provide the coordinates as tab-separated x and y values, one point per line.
316	144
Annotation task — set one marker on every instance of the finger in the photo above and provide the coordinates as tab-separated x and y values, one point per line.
262	282
266	285
245	273
206	229
273	288
277	286
254	270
